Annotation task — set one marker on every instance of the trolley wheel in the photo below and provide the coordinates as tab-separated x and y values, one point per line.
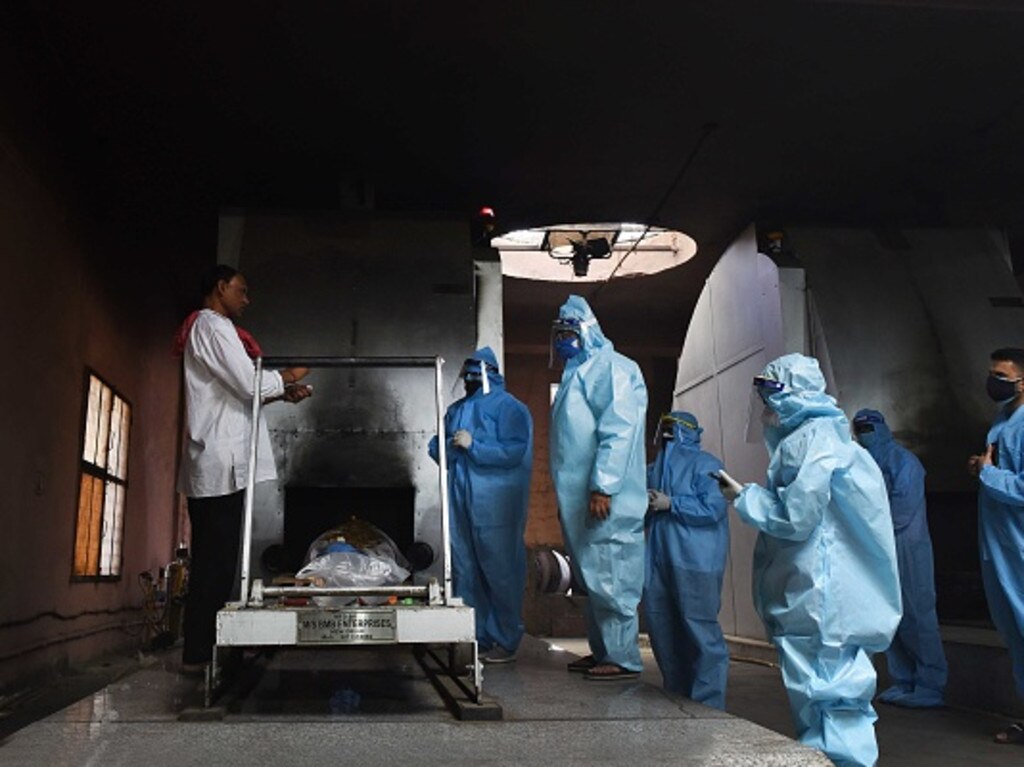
461	657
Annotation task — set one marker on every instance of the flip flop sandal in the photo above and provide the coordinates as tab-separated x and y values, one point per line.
618	675
582	665
1012	734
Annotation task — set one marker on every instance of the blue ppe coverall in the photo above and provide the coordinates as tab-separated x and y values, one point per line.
489	488
1001	534
825	578
597	444
686	551
917	662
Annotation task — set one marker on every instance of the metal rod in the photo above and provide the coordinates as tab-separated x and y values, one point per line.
452	674
250	483
342	591
350	362
442	462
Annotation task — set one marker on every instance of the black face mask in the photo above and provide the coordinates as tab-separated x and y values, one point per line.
472	386
1001	389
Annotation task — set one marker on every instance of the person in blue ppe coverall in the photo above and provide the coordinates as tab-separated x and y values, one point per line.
687	543
598	466
825	578
490	459
917	663
1000	473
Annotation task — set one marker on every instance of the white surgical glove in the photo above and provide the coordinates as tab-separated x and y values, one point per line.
463	439
730	487
658	501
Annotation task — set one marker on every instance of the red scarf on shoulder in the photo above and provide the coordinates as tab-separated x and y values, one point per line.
252	347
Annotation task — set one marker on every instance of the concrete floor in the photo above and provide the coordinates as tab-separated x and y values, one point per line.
376	707
907	737
372	707
914	738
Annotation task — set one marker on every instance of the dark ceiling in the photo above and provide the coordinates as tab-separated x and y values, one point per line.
873	114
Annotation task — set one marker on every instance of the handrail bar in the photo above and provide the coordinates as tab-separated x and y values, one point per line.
349	362
344	591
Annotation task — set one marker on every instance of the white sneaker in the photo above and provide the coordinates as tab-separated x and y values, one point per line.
497	654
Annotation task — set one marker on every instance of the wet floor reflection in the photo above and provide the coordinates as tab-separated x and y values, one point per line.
376	706
338	683
344	701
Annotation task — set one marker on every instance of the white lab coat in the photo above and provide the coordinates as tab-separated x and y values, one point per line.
218	405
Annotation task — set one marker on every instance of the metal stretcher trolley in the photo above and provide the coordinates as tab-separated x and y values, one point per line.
425	616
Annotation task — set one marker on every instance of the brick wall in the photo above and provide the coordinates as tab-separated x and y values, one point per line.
529	380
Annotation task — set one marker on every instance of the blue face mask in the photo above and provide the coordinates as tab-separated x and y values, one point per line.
867	438
567	348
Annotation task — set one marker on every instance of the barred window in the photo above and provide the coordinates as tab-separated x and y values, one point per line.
104	480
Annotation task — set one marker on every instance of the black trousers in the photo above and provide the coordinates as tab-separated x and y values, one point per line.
216	523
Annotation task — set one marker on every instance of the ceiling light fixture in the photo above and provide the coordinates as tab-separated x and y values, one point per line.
578	247
544	252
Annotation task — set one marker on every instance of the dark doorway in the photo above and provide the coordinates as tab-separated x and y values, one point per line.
953	523
309	511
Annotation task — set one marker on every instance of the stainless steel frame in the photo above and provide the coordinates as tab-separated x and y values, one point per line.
438	618
351	362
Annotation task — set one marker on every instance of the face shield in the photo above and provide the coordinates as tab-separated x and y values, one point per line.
565	342
864	428
666	431
759	412
473	376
